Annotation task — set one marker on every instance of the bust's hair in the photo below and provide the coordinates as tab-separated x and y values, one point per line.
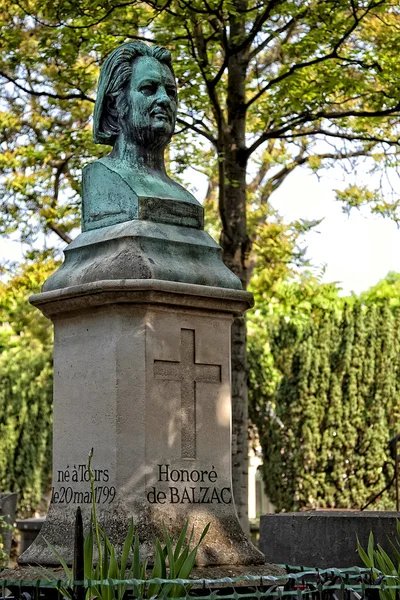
114	77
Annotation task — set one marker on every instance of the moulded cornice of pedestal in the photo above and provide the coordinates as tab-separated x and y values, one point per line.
139	291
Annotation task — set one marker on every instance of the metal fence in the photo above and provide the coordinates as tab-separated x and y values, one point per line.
300	583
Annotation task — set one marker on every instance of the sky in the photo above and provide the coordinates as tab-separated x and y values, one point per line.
357	250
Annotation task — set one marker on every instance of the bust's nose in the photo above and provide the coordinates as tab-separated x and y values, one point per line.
162	98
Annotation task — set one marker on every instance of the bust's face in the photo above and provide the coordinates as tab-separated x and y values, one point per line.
152	102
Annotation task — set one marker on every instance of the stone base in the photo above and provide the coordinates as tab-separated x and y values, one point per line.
233	572
225	543
30	574
324	539
142	376
143	250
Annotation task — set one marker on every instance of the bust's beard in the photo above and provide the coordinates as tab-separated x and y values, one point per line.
143	134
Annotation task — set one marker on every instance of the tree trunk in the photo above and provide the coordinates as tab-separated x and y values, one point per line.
239	422
235	244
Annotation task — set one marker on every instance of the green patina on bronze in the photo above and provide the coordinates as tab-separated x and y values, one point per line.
135	112
137	223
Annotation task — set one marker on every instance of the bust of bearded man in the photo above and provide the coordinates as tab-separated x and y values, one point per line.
135	112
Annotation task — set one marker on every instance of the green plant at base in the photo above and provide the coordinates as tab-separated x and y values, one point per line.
381	564
170	562
174	563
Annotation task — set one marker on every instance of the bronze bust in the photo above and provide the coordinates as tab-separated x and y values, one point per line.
137	223
135	112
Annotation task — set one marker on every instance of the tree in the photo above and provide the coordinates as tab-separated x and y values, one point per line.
386	291
269	85
25	387
326	414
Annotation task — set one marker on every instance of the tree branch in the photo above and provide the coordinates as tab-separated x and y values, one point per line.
202	62
307	117
64	24
31	92
257	25
64	236
344	136
57	178
290	24
330	55
262	171
276	180
197	130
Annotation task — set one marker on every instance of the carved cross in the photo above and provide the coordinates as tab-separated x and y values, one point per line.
189	373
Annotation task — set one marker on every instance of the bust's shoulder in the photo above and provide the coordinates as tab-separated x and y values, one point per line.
102	174
109	172
107	198
100	166
183	194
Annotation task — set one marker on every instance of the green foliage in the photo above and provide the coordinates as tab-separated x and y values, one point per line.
324	389
381	563
387	290
284	307
322	72
25	387
4	526
265	87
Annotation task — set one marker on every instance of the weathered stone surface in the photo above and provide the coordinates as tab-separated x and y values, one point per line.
324	538
26	573
143	250
133	291
148	387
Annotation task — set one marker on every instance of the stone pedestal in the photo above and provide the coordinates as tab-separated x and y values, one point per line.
142	376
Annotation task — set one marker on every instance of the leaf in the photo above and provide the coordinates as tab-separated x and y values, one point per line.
191	536
170	553
188	565
136	559
126	548
64	565
204	533
104	566
364	556
113	570
181	540
391	569
397	555
88	553
370	548
158	569
161	553
44	573
181	559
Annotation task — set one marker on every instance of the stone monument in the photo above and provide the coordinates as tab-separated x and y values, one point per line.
142	310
